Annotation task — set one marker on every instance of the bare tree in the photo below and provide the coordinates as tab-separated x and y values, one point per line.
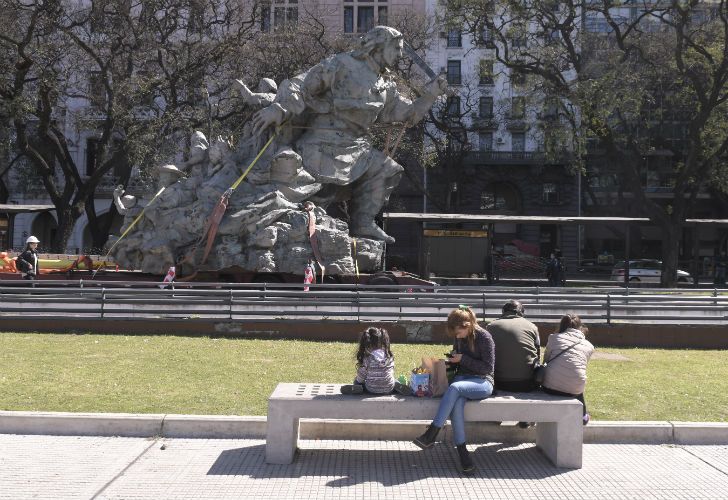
131	74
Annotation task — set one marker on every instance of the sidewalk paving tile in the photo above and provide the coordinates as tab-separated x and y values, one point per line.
129	468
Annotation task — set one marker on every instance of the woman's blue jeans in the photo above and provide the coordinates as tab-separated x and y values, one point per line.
452	405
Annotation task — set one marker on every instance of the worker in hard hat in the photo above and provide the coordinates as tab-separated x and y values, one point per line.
27	261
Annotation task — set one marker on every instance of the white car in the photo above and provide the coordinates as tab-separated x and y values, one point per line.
645	271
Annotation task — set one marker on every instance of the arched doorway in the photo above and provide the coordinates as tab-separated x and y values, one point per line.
44	227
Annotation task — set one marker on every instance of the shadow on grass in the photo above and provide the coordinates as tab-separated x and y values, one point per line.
389	467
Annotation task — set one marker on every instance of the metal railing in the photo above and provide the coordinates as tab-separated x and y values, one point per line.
272	301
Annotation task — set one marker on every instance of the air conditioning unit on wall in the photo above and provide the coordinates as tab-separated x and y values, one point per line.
500	140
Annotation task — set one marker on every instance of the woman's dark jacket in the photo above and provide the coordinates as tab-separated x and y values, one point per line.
480	361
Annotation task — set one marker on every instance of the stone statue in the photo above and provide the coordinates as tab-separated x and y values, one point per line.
276	220
344	96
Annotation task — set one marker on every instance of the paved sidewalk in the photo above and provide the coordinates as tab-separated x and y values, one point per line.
104	467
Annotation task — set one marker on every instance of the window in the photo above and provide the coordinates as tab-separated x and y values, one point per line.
364	19
382	15
518	36
265	18
552	37
453	107
196	21
454	38
486	37
284	14
551	108
549	192
457	139
485	141
91	149
518	141
454	76
518	107
96	90
359	15
486	72
500	196
486	107
349	19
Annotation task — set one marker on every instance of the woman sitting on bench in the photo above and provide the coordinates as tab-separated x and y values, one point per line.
474	357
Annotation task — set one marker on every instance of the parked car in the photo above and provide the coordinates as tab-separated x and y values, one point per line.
645	271
594	267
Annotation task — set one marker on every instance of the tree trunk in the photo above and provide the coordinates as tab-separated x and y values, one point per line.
67	218
670	252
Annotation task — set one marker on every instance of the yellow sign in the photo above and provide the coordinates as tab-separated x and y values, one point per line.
451	232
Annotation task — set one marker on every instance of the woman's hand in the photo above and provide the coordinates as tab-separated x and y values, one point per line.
455	358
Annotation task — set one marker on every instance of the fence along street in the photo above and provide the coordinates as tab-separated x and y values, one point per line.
115	300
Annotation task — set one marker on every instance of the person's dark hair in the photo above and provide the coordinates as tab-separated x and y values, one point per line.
372	339
514	307
572	320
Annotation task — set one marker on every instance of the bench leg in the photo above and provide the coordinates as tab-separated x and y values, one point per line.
281	438
562	441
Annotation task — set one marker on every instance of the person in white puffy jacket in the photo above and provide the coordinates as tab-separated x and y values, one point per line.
567	354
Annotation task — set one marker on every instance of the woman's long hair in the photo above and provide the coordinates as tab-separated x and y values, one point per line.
463	315
572	320
372	339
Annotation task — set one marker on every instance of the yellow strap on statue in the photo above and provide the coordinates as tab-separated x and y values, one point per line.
135	221
255	160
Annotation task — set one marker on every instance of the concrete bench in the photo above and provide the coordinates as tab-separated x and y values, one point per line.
559	429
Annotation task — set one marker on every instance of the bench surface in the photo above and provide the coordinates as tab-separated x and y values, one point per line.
326	401
559	430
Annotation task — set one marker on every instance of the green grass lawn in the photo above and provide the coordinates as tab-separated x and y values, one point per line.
168	374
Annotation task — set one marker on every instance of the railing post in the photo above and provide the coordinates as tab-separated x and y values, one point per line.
537	290
715	295
103	301
358	305
80	283
483	317
230	305
609	309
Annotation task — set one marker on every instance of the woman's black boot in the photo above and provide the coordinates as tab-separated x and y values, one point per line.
465	461
428	438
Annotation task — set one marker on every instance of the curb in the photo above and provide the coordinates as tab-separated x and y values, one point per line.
252	427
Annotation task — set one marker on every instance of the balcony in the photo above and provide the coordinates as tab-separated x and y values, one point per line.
516	122
504	158
475	158
484	122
